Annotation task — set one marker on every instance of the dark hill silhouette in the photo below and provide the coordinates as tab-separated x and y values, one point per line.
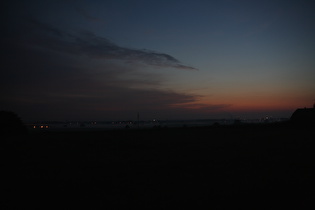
10	123
304	116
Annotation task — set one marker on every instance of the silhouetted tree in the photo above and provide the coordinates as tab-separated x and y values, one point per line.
303	116
10	123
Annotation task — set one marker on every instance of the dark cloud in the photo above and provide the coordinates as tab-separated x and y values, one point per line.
40	85
50	74
90	103
87	43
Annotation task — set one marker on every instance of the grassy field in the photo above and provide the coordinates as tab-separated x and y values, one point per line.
240	166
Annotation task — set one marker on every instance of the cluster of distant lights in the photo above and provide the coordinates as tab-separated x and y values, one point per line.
40	126
263	119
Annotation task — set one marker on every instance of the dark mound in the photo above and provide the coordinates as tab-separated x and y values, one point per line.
304	116
10	123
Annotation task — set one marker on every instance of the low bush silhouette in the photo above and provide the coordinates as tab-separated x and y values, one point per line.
10	123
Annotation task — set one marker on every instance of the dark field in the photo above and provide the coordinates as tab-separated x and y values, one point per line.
242	166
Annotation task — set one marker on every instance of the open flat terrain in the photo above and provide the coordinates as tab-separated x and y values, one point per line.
239	166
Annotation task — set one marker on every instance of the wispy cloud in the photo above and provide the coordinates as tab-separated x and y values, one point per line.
87	43
194	105
100	47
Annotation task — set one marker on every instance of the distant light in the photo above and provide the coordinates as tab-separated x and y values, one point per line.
34	126
41	126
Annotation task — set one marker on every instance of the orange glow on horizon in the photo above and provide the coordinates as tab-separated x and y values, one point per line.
247	104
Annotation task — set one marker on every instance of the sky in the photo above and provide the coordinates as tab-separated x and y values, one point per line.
173	59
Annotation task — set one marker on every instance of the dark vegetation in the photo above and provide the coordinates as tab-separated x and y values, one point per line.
304	116
10	123
267	166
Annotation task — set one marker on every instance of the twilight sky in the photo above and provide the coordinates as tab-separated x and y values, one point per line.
108	60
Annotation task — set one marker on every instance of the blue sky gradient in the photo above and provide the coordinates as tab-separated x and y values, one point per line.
107	60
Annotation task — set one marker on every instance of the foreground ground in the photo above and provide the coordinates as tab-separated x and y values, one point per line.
244	166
